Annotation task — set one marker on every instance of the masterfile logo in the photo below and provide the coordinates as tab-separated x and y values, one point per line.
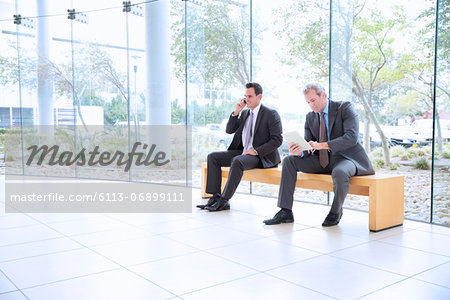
92	158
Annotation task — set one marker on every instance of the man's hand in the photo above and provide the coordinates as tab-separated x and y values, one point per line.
239	106
294	149
319	146
250	152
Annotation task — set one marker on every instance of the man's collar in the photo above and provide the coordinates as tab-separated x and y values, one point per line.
325	110
256	110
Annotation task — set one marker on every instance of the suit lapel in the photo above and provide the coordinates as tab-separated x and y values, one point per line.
259	117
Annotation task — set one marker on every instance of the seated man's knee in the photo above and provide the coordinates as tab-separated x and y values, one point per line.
340	175
236	162
211	157
289	160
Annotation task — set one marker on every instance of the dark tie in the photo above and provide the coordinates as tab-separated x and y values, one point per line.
249	131
323	154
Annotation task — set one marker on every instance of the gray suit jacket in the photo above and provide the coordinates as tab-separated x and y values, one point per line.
343	126
267	137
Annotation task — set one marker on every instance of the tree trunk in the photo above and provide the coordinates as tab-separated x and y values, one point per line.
359	92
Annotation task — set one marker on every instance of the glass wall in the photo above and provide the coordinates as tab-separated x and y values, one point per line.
441	165
186	62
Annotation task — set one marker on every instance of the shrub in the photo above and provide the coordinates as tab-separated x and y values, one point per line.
421	152
396	151
445	153
412	152
427	149
404	156
378	163
422	164
394	166
376	154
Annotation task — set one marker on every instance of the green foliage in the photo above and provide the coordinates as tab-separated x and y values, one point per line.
445	153
178	114
307	36
378	163
422	164
398	150
115	111
404	156
394	167
218	42
412	152
376	152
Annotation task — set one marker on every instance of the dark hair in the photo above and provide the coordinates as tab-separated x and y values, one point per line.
256	86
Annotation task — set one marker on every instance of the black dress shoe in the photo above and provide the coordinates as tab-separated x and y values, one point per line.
210	202
332	219
221	204
283	216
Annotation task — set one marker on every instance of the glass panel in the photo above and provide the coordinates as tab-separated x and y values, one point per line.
100	81
391	74
441	176
290	49
218	62
9	81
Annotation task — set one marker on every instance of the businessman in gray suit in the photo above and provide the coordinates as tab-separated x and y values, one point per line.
332	131
257	136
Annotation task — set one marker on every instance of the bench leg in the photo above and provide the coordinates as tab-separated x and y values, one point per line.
203	186
203	174
386	204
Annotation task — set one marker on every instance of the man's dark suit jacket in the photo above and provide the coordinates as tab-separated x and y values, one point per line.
344	129
266	138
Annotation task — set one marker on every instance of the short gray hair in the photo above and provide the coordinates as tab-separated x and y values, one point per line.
314	86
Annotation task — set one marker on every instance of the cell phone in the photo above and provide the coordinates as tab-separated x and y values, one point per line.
243	100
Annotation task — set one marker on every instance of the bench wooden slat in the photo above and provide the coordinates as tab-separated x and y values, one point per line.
386	193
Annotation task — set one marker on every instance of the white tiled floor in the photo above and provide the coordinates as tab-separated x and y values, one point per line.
224	255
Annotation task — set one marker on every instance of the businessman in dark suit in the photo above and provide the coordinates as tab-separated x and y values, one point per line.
332	131
257	136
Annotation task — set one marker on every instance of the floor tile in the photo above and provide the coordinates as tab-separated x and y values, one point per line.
59	217
400	260
439	275
43	269
5	284
175	226
263	254
124	233
13	296
18	251
335	277
83	226
26	234
142	250
411	289
434	229
223	217
119	284
211	237
257	227
144	219
421	240
16	220
191	272
260	286
321	240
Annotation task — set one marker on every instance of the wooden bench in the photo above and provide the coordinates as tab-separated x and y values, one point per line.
386	193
